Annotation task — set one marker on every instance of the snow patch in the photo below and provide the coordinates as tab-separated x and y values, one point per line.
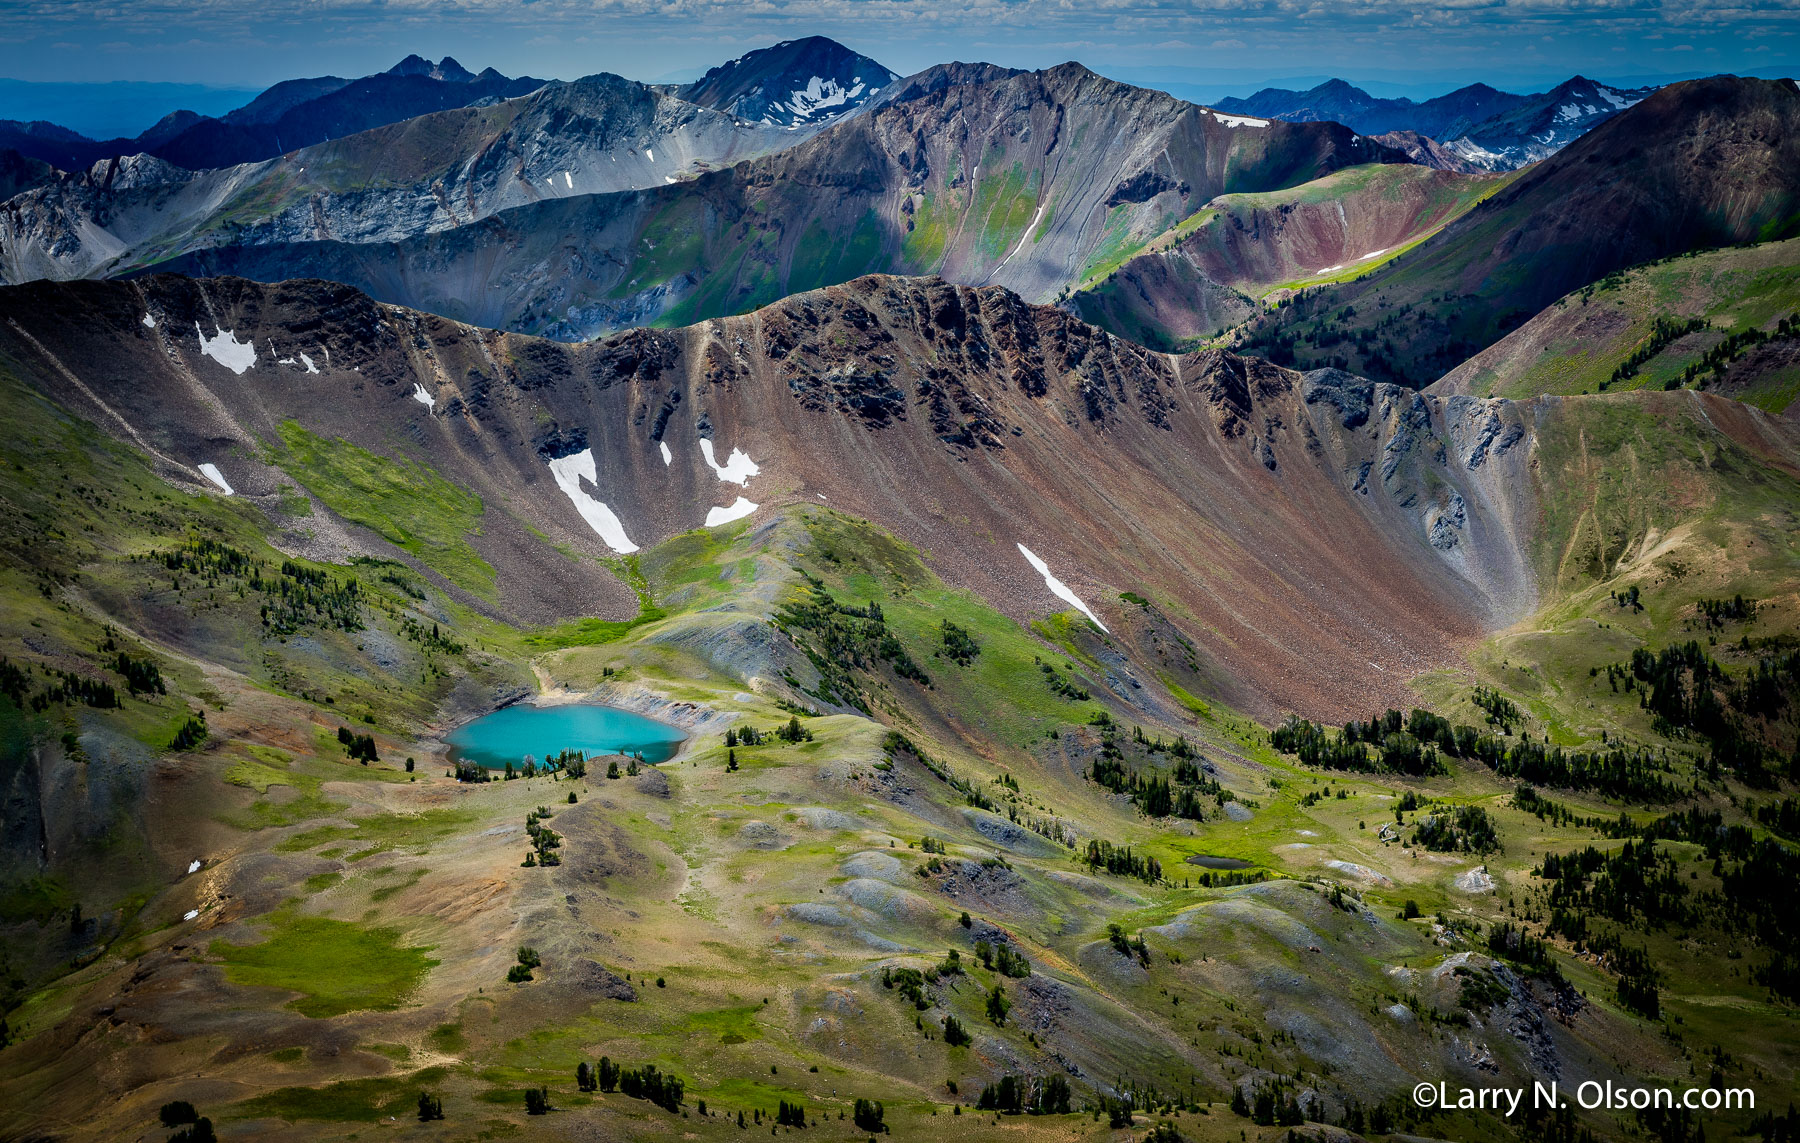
422	397
190	914
227	350
1373	254
820	94
668	457
308	362
650	153
212	473
738	468
194	867
569	472
737	511
149	322
568	180
1058	588
1238	120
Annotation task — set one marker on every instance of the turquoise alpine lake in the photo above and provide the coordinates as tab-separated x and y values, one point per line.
510	733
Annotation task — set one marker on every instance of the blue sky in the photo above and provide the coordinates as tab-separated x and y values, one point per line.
1209	47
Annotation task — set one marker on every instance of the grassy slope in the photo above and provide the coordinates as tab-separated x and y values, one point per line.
1575	345
1108	282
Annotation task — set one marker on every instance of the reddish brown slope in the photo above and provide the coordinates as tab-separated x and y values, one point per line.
1307	533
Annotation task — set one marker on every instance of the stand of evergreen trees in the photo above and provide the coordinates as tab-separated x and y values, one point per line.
1017	1095
842	639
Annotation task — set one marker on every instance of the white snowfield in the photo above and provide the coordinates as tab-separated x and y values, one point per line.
195	866
820	94
226	349
212	473
422	397
737	469
149	322
668	457
1237	120
569	471
190	914
1058	588
738	510
308	362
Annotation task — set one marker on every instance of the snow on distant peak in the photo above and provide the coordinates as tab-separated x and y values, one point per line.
212	473
737	469
1058	588
819	94
422	397
569	472
1237	121
227	350
738	510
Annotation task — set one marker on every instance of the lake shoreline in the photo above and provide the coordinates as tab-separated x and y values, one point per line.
518	730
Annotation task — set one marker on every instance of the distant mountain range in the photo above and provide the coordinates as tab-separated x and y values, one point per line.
796	84
574	209
601	204
1485	127
293	114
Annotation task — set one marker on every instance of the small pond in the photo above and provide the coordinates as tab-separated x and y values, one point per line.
509	734
1210	862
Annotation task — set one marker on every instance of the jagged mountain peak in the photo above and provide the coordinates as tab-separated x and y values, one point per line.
446	69
794	83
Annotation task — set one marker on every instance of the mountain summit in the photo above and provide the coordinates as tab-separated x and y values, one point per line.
446	70
796	82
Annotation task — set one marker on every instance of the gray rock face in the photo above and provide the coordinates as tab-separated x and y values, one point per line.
600	981
1349	394
597	135
1444	522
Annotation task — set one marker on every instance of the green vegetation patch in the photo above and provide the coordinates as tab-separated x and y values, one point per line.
337	966
36	899
923	246
406	502
824	259
381	832
1005	206
351	1101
